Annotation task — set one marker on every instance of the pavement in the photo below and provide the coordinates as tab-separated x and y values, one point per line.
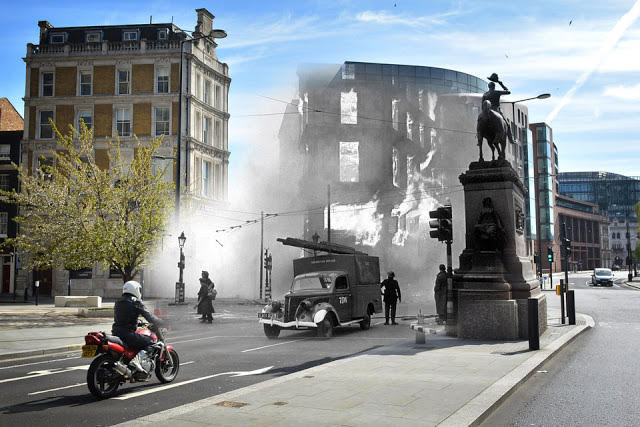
445	382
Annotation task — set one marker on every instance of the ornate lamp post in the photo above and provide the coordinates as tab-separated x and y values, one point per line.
180	284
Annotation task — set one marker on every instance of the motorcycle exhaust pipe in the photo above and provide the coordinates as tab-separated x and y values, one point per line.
120	368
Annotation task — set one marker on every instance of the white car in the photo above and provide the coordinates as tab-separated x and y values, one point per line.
602	276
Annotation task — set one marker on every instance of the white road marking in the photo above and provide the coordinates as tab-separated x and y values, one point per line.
39	363
56	389
36	374
272	345
172	385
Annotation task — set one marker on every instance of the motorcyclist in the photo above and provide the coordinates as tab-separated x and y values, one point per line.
125	321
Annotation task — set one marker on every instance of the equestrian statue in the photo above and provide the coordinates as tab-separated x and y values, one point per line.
492	125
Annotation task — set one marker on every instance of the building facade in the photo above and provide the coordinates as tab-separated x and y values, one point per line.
615	195
382	145
123	81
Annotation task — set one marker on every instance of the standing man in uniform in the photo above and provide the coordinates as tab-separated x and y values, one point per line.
391	292
440	292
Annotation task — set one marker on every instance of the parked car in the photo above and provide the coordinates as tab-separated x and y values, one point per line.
602	277
616	267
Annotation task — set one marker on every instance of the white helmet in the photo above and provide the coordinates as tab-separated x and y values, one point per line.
134	288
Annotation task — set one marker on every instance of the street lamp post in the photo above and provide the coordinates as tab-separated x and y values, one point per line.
179	299
538	233
220	34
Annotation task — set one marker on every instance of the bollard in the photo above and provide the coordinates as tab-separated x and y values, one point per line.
571	307
534	327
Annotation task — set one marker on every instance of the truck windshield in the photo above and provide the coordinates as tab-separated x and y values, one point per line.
312	281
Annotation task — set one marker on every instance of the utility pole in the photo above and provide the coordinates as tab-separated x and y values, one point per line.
328	213
261	249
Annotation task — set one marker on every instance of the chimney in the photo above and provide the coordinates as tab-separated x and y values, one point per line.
205	22
44	26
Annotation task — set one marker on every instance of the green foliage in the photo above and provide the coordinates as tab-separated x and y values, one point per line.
74	214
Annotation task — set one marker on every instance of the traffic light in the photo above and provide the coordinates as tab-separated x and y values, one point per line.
567	247
549	254
443	224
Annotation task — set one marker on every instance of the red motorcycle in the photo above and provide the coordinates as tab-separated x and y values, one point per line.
111	368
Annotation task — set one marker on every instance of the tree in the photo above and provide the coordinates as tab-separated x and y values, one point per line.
75	214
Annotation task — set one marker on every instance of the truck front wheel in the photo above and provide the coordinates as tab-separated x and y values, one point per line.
366	322
271	331
325	328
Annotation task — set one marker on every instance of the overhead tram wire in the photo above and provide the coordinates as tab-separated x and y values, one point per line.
316	110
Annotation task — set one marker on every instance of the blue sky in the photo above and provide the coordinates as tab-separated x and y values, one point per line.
585	54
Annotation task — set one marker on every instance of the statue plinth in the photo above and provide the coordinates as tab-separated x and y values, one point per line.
496	274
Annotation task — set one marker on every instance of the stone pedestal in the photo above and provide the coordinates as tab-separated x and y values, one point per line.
496	275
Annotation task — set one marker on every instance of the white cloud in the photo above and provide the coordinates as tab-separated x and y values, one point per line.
631	93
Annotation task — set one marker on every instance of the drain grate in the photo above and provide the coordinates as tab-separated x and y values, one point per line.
229	404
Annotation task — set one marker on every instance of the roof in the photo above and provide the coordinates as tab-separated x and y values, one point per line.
10	119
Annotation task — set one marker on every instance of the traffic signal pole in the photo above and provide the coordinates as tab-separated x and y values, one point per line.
442	229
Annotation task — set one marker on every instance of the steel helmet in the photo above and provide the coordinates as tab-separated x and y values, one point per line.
134	288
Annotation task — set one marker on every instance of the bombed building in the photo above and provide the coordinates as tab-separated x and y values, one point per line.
372	148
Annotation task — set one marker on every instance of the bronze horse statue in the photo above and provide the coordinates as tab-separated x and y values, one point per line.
495	129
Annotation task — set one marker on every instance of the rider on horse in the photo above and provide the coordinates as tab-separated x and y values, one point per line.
494	95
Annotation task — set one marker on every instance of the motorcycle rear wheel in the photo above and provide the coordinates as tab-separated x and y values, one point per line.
102	379
165	371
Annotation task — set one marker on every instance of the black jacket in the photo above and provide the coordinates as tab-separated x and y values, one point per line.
391	290
125	315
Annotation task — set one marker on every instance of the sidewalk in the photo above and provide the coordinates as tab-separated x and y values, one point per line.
446	381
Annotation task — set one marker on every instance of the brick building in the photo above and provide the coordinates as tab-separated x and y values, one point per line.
124	81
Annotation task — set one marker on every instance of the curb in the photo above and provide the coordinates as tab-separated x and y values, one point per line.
481	406
30	353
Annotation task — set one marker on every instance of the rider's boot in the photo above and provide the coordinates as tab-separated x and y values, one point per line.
136	361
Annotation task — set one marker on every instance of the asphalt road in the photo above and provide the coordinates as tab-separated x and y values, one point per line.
594	380
229	354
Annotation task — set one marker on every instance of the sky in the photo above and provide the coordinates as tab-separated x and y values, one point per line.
585	54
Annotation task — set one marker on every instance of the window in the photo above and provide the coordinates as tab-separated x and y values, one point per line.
349	108
163	34
349	162
162	80
130	36
206	130
197	125
45	167
162	121
4	221
5	152
349	71
84	273
93	37
84	80
123	121
46	130
217	179
5	182
207	92
124	80
218	97
198	88
57	38
86	116
395	108
206	173
217	135
47	84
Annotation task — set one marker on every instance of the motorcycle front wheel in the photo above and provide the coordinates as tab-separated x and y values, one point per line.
167	369
102	379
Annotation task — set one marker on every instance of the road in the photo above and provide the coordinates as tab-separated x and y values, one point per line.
229	354
593	381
